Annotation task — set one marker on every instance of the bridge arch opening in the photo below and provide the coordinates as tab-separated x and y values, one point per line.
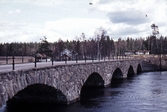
94	80
130	72
117	78
139	69
37	94
92	88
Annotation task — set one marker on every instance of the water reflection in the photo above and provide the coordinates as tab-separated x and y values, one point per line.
88	94
116	83
35	107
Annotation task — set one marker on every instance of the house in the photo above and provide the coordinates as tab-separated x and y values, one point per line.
68	55
142	52
147	52
40	57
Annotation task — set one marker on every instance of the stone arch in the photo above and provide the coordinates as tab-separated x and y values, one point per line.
130	72
117	74
139	69
117	77
39	93
90	88
94	80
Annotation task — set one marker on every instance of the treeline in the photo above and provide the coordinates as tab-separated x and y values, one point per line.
152	44
102	46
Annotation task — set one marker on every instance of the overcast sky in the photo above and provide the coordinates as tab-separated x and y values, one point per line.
30	20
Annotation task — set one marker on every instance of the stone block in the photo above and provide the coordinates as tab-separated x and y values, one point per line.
2	89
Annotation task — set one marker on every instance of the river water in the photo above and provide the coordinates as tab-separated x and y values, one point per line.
146	92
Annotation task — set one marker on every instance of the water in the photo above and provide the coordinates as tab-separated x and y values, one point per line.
146	92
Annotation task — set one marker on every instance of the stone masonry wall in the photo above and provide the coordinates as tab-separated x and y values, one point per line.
69	79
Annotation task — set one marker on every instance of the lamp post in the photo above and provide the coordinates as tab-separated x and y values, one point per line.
160	54
13	63
6	57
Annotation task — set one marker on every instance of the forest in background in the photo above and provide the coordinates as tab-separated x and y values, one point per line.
103	44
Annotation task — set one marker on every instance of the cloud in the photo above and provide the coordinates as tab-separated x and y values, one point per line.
30	20
44	3
129	17
17	11
65	29
18	32
9	26
72	27
104	1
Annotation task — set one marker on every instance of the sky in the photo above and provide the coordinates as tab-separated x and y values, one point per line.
31	20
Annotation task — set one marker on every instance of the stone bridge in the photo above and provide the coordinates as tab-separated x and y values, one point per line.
65	82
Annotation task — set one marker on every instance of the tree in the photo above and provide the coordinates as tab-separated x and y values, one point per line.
44	47
99	36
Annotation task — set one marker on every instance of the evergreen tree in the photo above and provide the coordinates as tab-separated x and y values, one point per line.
44	47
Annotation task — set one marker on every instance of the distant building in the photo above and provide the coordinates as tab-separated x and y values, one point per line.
147	52
41	57
128	53
68	55
142	52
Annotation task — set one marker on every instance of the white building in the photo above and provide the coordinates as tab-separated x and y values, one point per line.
128	53
142	52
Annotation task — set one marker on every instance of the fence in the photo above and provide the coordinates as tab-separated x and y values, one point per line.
18	59
13	60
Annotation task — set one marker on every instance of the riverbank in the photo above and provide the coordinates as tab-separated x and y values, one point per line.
159	61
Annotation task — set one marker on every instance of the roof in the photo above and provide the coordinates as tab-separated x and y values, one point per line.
68	53
41	55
